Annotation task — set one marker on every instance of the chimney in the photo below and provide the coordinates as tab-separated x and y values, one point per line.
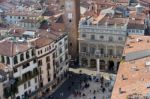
29	44
17	48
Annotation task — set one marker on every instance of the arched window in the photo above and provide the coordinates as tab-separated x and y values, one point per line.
8	60
21	57
27	55
15	60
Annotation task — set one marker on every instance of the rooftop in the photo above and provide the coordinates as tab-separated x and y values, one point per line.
8	48
132	79
40	42
136	43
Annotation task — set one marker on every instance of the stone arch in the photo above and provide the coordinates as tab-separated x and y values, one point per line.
93	62
102	64
110	65
84	62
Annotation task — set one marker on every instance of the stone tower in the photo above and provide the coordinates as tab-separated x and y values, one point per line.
72	17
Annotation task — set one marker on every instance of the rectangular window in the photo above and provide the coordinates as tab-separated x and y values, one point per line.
110	52
48	66
29	84
92	50
34	61
47	59
61	60
40	63
49	79
83	35
83	49
66	46
66	39
60	50
92	37
25	86
26	65
15	70
35	80
60	43
102	51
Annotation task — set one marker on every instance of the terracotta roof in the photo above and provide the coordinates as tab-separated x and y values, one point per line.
8	48
136	24
146	1
136	43
42	41
91	13
133	14
23	13
54	35
133	76
17	31
113	21
122	1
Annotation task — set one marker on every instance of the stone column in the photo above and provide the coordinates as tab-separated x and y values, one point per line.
98	65
88	62
106	65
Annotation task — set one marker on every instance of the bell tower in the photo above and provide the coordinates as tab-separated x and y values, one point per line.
72	17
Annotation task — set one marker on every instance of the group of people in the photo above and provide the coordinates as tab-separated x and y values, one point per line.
85	84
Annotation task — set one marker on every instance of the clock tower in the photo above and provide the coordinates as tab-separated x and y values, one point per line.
72	17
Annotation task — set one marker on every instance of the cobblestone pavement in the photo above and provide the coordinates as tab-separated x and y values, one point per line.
85	84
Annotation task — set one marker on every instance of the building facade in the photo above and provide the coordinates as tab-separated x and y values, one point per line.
101	44
22	63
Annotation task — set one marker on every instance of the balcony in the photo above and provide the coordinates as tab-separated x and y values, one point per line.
27	77
86	54
102	41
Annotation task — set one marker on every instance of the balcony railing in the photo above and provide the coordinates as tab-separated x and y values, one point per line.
101	41
28	77
86	54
